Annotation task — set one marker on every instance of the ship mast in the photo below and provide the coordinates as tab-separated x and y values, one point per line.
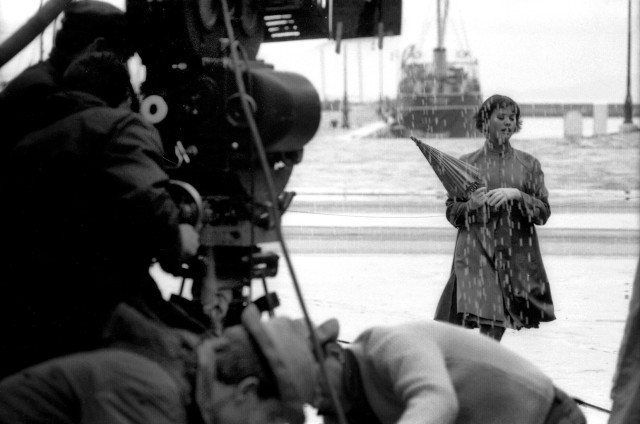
440	52
442	21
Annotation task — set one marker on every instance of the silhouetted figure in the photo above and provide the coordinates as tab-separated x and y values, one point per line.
90	210
87	25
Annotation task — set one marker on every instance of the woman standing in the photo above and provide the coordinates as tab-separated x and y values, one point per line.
498	280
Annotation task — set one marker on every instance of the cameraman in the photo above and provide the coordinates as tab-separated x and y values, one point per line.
88	25
89	212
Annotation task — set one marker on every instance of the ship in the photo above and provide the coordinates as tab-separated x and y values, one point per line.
438	98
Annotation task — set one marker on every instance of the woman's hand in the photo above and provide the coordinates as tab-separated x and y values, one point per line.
478	198
499	196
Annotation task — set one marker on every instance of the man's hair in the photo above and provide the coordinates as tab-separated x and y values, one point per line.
86	20
494	102
239	357
102	74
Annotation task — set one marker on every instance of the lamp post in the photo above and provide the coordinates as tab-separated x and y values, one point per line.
380	84
345	100
627	125
628	104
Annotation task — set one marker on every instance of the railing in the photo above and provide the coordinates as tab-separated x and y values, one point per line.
541	110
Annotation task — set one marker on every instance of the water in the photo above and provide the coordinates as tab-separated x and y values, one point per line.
336	161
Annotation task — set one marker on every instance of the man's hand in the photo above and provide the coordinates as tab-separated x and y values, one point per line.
478	198
499	196
215	304
190	241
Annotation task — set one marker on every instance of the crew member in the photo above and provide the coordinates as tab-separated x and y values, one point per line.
88	25
259	372
434	372
89	212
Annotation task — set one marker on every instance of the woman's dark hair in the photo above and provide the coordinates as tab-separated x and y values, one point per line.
492	103
240	357
102	74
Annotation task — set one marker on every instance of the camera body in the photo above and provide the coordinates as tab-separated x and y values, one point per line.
191	95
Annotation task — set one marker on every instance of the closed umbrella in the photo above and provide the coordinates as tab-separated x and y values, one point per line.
458	178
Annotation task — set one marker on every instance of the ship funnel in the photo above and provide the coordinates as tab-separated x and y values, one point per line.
440	62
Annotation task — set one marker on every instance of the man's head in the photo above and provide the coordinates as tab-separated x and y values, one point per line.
103	75
257	372
91	25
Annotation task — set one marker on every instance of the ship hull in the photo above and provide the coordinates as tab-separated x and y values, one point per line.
439	117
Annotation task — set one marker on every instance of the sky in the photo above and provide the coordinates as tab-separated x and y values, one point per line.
535	51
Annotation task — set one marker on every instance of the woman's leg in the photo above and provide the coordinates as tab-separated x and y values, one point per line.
494	331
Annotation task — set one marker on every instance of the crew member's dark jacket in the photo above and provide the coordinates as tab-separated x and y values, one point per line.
22	100
146	375
85	211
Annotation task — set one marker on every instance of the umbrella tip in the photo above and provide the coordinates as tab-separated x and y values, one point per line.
415	140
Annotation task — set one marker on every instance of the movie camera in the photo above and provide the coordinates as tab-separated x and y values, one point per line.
193	96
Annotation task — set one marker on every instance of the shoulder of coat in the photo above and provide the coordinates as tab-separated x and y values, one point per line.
527	159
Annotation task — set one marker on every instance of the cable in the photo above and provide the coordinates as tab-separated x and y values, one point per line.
599	408
255	135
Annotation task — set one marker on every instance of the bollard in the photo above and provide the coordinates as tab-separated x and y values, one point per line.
573	125
600	116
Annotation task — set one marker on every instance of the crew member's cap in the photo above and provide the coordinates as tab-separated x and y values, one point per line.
86	20
326	332
283	343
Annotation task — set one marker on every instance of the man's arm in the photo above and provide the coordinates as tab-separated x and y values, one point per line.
98	387
416	370
134	170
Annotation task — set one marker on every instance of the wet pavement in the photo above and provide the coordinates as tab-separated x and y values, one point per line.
389	265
